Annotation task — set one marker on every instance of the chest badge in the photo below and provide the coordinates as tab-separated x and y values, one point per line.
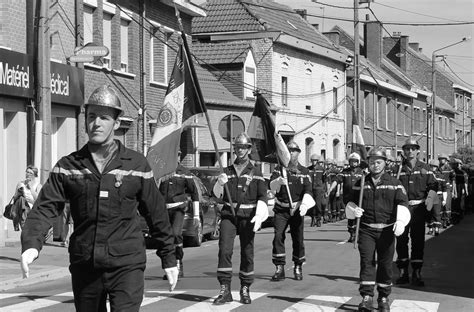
118	179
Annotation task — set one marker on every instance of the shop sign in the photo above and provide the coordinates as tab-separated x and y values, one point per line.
67	84
16	74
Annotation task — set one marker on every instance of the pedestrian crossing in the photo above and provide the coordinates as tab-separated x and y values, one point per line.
155	299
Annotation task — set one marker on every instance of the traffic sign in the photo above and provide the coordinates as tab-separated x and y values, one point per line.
92	49
81	58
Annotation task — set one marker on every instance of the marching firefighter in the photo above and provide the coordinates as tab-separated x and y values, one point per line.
318	186
248	193
449	177
346	180
418	179
460	191
290	209
176	188
434	222
384	215
105	184
331	178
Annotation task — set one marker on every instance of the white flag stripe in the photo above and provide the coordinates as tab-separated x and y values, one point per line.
413	306
34	304
208	306
308	304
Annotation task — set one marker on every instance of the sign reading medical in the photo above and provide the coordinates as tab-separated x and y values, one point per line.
67	84
16	74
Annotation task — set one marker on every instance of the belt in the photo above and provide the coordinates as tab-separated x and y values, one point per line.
284	205
243	206
439	193
173	205
377	225
415	202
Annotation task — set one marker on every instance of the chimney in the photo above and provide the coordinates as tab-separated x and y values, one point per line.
334	36
403	52
315	26
373	41
302	12
414	45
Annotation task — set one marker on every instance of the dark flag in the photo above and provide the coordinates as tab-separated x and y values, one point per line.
267	143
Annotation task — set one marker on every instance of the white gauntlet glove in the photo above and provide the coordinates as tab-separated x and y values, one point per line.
276	184
218	189
398	228
27	257
403	218
172	275
306	203
260	215
353	211
196	219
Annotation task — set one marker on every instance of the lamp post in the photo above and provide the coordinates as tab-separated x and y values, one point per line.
433	89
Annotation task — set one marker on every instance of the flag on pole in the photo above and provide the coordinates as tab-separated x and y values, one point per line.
180	105
358	145
267	142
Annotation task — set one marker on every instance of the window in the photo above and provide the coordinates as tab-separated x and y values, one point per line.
389	118
468	107
407	120
159	56
322	109
400	123
124	45
334	100
381	112
88	24
250	81
284	91
368	117
107	39
417	120
440	126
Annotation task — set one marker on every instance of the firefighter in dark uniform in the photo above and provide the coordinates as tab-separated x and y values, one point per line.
248	193
434	222
470	197
105	183
384	215
449	176
418	179
176	188
318	186
297	180
331	177
460	191
346	180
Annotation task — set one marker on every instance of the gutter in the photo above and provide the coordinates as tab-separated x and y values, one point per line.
388	86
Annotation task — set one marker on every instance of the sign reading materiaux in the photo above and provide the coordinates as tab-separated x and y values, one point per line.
88	52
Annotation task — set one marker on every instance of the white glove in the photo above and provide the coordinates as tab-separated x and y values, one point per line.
303	210
172	275
261	214
276	184
27	257
398	228
258	223
222	179
358	212
306	203
196	218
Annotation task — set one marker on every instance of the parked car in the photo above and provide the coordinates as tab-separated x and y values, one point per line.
193	236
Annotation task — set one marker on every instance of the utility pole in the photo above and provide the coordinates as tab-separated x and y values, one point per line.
356	57
43	88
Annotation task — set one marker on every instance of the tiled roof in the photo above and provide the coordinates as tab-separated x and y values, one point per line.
254	15
221	52
443	105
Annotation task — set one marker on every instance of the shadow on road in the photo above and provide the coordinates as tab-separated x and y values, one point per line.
336	277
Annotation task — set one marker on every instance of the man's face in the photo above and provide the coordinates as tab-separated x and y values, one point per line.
242	151
314	162
294	153
376	165
442	161
353	163
410	151
101	122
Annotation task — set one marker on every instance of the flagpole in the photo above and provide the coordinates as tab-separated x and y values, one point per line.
197	89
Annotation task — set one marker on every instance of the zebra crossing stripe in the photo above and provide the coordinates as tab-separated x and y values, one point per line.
34	304
331	304
161	295
208	306
6	296
413	306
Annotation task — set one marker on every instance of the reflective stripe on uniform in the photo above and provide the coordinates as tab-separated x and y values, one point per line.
278	255
71	172
246	273
415	202
243	206
367	282
172	205
254	177
224	269
377	225
145	175
384	285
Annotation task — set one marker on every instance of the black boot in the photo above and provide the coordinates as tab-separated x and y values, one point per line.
279	273
351	237
403	277
436	231
430	231
416	278
366	304
313	222
383	304
298	271
318	223
245	294
180	268
224	295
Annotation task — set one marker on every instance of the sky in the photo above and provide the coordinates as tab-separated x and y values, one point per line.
460	57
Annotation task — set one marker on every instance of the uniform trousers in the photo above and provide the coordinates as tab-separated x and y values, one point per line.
281	221
229	229
457	206
176	216
320	206
123	285
416	230
435	213
381	241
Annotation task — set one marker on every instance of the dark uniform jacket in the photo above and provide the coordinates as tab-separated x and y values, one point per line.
299	182
104	207
176	186
442	184
418	181
251	180
317	177
448	174
380	201
348	178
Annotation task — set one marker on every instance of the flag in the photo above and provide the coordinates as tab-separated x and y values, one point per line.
183	100
358	145
267	142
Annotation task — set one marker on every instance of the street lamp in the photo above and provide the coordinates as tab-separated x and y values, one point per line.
433	89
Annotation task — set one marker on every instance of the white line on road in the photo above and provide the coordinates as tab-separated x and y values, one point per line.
166	294
343	242
208	306
413	306
332	303
34	304
6	296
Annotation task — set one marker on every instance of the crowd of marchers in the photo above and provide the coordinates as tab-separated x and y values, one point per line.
387	202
